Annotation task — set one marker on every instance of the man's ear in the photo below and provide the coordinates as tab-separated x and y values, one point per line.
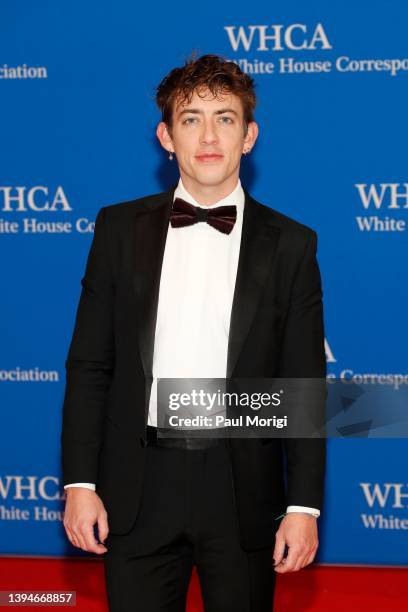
163	134
251	136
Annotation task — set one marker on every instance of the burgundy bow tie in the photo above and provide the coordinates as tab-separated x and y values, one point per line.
222	218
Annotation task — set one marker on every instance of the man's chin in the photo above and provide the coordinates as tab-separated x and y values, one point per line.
209	178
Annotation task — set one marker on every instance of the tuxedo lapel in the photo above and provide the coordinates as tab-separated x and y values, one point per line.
258	245
149	235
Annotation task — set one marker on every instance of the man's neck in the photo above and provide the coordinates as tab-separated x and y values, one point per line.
206	195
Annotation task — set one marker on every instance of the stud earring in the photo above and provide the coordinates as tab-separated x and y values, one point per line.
170	155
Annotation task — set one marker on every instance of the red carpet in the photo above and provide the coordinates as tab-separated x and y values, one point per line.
317	589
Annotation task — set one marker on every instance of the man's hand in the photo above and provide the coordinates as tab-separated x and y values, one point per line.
299	532
83	509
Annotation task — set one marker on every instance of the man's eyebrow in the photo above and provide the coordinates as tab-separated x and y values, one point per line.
226	110
197	111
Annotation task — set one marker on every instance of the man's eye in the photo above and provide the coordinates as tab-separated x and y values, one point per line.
189	120
226	120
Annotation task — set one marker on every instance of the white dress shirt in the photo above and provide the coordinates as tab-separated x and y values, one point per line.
195	301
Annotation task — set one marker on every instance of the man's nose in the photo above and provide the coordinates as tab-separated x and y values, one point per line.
208	134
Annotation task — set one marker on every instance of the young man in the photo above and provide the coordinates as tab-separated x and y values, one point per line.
174	288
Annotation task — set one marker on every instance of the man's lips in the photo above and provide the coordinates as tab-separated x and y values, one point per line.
209	156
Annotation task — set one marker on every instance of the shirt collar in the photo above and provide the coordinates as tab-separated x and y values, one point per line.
237	197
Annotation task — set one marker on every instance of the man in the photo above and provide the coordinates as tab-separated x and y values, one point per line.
174	288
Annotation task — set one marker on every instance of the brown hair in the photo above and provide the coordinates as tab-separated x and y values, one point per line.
211	72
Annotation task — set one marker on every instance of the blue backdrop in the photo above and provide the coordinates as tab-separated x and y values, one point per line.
78	120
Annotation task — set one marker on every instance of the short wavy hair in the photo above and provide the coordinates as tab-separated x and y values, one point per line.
208	72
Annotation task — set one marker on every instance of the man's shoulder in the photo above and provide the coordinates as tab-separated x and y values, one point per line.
287	225
128	208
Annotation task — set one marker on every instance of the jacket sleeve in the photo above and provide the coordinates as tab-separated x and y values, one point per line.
89	364
303	356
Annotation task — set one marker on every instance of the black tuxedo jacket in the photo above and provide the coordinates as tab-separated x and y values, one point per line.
276	330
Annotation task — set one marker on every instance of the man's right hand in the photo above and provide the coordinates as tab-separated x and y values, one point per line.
84	508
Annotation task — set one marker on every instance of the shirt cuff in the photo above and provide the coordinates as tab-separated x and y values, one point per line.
314	511
85	485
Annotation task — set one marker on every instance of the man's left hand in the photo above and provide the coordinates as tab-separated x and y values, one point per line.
299	532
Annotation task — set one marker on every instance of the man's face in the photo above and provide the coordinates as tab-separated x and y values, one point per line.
207	136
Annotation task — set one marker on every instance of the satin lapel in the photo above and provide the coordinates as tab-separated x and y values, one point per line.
259	239
150	232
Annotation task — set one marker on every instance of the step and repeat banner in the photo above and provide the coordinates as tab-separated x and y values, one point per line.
77	132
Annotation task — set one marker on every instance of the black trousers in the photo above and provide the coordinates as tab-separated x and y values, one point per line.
187	517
